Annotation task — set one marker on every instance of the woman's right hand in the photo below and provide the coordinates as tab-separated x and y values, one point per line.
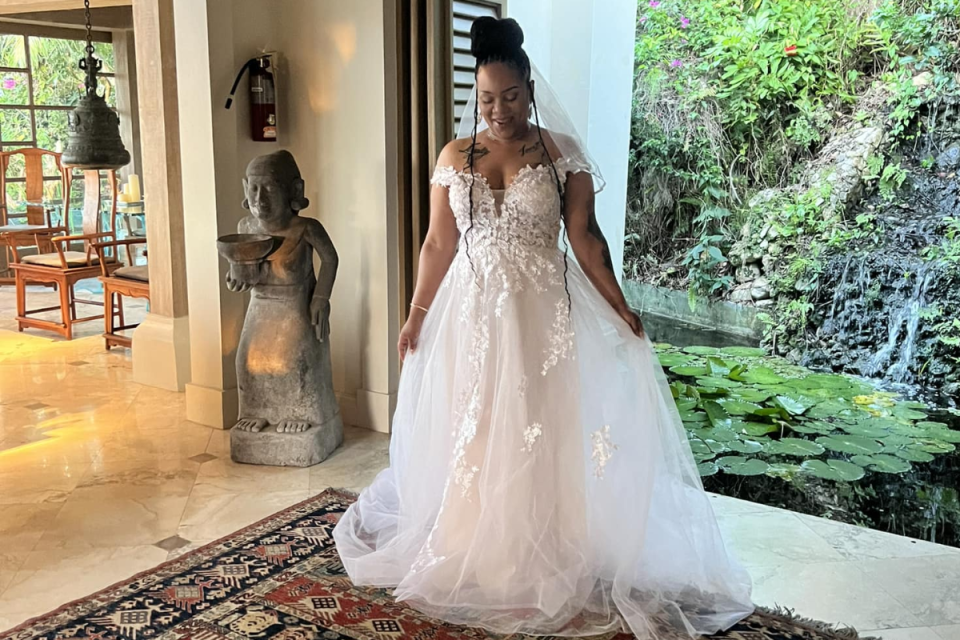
410	333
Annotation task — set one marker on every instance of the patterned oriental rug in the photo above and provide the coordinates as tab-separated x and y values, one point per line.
281	579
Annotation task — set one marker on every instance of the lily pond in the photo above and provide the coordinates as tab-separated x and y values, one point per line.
829	445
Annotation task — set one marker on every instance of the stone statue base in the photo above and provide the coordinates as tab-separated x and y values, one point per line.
304	449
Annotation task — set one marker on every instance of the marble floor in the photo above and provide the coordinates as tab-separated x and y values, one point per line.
101	478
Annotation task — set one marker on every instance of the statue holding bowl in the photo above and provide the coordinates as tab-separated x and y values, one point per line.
289	414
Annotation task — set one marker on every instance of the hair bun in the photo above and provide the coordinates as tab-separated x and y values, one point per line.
490	36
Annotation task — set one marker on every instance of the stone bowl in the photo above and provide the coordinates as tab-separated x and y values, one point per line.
245	248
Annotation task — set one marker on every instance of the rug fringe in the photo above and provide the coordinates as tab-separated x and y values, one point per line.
787	614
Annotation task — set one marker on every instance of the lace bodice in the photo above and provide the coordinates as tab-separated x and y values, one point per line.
528	216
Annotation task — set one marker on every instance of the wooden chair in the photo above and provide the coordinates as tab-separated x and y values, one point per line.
130	280
65	267
39	226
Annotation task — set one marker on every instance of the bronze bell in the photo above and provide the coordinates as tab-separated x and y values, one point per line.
93	140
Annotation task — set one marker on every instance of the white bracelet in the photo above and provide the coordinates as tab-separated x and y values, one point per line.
416	306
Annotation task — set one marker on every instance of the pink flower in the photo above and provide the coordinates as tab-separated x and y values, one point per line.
684	22
643	19
9	83
676	63
654	4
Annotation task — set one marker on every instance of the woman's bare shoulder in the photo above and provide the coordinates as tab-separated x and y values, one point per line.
557	141
454	154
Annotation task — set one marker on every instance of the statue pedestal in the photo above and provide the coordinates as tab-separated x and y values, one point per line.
304	449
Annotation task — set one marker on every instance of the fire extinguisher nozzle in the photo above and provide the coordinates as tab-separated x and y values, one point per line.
229	102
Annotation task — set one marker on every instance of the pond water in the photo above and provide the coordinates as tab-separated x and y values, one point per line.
921	503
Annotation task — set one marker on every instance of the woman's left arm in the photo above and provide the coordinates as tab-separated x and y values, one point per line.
590	247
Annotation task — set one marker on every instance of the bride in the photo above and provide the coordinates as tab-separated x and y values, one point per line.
540	477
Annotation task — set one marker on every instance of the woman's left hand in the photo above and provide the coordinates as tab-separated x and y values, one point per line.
633	320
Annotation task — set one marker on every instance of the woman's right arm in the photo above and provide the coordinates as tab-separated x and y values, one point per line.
436	255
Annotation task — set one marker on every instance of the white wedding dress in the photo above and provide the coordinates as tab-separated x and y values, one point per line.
540	479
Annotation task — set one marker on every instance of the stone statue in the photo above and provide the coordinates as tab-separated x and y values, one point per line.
288	412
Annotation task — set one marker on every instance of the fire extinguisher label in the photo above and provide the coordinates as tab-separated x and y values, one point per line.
270	133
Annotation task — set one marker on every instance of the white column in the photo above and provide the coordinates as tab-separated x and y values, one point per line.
161	344
211	207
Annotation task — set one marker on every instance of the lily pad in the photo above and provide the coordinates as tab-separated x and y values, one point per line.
707	469
717	414
686	404
883	463
743	352
866	429
906	413
945	435
913	454
700	448
738	407
833	409
897	440
718	367
693	416
748	394
720	435
813	426
772	412
740	466
794	447
701	351
827	381
689	371
755	429
719	383
783	470
795	404
836	470
674	359
934	446
850	444
745	446
763	375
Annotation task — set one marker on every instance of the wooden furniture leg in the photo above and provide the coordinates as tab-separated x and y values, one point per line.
65	309
21	287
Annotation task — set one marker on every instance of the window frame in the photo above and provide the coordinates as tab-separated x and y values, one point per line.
27	31
498	9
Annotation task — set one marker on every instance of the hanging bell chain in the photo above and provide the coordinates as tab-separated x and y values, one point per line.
93	139
86	14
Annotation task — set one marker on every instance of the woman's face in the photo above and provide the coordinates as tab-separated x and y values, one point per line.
504	100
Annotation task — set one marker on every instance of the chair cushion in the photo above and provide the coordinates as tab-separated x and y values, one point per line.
73	258
139	273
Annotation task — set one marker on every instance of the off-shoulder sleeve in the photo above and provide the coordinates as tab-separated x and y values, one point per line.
444	176
573	164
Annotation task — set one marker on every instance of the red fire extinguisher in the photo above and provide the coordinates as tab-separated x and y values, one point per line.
263	97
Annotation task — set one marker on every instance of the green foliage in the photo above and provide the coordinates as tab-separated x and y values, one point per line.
773	415
57	81
731	96
891	180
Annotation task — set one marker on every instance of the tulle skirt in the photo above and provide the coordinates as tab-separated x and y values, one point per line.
540	479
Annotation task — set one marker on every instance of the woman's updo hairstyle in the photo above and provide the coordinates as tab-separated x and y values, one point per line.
499	40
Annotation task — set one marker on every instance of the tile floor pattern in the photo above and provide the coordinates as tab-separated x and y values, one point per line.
101	478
